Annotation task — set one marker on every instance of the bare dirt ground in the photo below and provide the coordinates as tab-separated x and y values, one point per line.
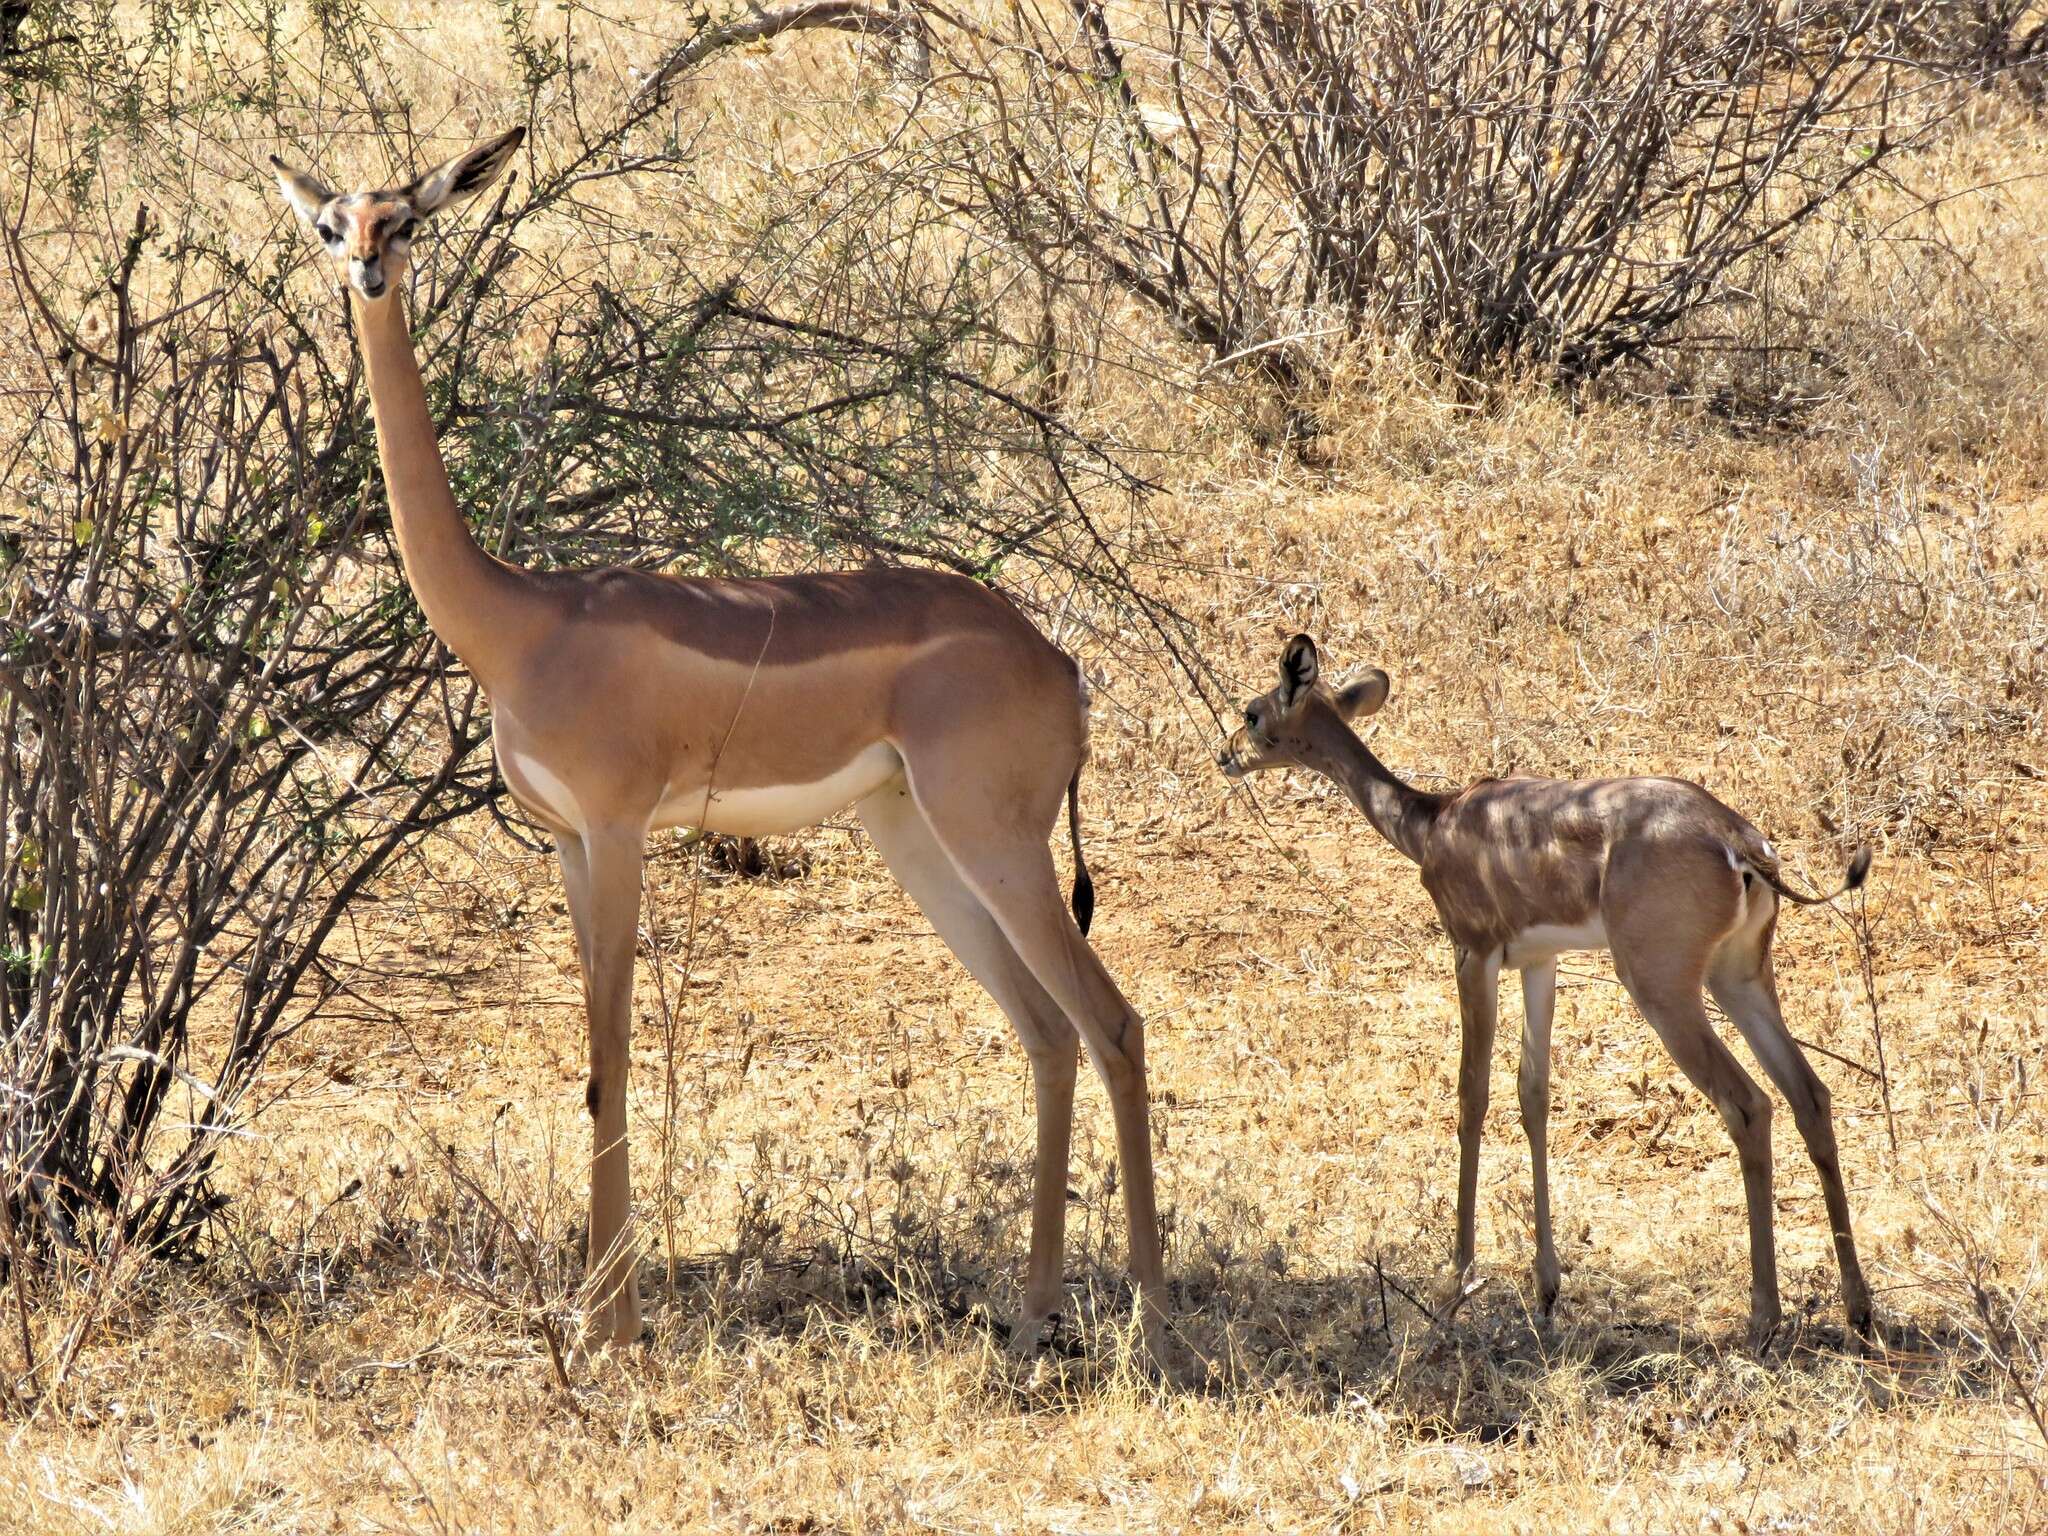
1840	631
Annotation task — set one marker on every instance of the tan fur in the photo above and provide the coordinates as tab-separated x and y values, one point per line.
623	701
1680	889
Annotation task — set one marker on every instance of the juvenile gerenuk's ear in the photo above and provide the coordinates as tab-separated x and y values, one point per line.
1298	669
1364	695
306	194
467	174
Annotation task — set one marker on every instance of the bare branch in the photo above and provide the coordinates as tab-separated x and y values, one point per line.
761	25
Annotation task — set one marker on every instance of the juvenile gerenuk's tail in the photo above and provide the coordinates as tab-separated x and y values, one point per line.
1859	870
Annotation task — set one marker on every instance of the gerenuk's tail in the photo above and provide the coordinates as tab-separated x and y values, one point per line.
1859	868
1084	888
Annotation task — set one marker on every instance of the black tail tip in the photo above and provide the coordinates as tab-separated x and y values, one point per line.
1859	867
1084	902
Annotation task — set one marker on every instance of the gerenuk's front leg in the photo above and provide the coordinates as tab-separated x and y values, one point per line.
1532	1083
1479	1006
601	874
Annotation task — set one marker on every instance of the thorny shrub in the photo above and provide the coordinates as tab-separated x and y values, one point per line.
1537	184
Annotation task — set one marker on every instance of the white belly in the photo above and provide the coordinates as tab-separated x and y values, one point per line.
768	809
1543	941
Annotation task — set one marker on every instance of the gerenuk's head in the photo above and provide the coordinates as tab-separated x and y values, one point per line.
1276	730
369	234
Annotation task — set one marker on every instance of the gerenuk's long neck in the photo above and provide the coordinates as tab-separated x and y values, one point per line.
482	609
1399	812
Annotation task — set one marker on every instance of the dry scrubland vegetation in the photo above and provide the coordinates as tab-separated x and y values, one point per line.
1828	609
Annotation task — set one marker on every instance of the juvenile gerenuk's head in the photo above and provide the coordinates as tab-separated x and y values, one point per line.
1278	727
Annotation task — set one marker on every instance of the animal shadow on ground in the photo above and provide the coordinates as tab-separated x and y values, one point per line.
1376	1339
1479	1366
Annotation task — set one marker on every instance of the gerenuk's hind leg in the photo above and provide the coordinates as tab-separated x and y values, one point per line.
925	871
1664	970
998	845
1742	982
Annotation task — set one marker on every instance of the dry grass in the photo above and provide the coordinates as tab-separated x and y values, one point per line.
1841	632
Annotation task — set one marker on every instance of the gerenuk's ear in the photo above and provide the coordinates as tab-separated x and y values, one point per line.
1298	670
1365	695
466	175
306	194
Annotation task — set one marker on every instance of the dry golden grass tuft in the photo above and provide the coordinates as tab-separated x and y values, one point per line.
1841	631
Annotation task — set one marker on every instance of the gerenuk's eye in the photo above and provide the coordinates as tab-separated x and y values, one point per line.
326	233
1251	718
